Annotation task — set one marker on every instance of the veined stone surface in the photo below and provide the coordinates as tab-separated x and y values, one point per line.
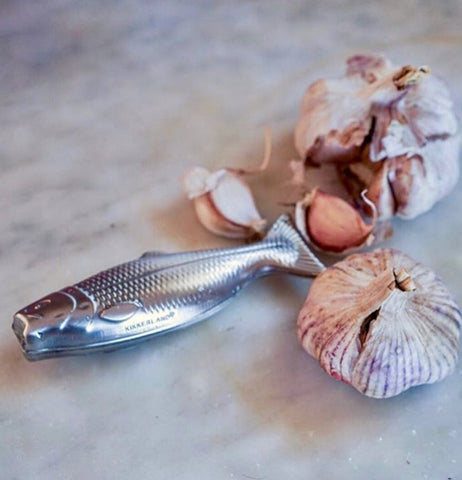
103	106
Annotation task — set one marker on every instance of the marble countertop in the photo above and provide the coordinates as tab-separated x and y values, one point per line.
103	106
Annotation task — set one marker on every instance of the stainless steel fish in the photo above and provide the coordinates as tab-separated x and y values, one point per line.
155	294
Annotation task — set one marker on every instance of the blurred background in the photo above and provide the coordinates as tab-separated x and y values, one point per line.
103	105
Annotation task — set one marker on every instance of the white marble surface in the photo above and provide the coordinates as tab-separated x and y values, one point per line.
102	107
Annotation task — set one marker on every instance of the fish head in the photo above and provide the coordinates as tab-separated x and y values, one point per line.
52	323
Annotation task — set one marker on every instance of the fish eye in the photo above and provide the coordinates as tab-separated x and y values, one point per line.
42	304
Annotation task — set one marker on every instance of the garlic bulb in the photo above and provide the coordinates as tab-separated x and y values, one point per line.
223	200
392	130
331	224
381	322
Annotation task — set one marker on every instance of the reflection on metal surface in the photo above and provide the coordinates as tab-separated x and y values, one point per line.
155	294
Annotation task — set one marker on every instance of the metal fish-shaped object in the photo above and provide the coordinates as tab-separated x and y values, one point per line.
157	293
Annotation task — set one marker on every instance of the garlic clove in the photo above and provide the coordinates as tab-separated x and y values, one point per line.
406	185
381	322
422	180
233	198
429	109
223	200
224	203
392	139
331	224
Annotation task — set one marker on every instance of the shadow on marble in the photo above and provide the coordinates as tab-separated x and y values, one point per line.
19	375
178	220
179	223
286	390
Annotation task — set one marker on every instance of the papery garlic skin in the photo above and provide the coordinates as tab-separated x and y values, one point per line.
378	112
418	182
381	322
224	203
333	123
336	114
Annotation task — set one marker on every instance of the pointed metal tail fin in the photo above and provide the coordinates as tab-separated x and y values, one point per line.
307	263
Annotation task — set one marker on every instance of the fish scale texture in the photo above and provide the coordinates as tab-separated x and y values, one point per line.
176	279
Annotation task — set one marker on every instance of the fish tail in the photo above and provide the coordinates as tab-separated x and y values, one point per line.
307	264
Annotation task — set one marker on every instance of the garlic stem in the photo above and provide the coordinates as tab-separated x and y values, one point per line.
389	88
409	75
403	280
266	156
371	205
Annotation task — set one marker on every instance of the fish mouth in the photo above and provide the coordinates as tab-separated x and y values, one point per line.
21	327
36	325
35	344
20	324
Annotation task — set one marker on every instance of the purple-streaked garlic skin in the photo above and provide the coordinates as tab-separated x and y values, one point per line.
381	322
378	112
224	203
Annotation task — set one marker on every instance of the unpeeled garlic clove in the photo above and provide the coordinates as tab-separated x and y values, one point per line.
224	203
331	224
417	182
223	200
381	322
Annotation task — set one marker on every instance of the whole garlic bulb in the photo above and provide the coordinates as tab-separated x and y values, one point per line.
381	322
391	129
